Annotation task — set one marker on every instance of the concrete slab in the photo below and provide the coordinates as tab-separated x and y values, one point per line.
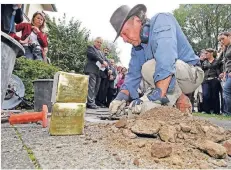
13	156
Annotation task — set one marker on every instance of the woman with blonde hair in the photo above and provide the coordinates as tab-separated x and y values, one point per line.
33	38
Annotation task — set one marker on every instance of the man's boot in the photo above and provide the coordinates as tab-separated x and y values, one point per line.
183	104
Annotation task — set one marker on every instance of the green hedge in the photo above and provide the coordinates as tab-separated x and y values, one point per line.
30	70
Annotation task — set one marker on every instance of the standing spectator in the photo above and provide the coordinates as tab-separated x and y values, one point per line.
112	76
33	39
94	56
104	83
221	61
211	85
10	14
225	39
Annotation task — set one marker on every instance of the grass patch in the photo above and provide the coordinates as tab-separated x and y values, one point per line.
29	150
220	117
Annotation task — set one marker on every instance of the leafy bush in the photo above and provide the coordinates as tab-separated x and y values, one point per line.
30	70
67	43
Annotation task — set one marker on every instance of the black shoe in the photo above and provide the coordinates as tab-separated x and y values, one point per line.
92	107
102	106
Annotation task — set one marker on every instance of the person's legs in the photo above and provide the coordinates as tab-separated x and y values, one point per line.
215	97
188	77
206	96
91	90
147	71
188	80
227	95
104	92
110	96
221	98
98	81
100	92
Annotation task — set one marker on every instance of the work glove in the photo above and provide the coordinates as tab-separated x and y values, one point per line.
118	104
150	100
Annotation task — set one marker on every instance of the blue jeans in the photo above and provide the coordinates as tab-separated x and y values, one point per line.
227	95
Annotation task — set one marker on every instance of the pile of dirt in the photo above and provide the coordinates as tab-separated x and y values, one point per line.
166	136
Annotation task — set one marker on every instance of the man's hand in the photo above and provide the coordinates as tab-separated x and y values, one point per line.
109	71
221	76
117	105
152	98
111	77
105	63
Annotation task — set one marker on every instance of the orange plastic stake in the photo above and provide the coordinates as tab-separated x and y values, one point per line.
30	117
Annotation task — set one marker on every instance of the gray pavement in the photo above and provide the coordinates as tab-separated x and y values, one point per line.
13	155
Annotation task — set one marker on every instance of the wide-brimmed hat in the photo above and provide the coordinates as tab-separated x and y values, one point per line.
122	14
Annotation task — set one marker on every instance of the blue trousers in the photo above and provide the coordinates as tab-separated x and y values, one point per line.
227	95
211	98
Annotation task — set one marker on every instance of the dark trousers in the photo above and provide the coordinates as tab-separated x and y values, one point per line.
211	97
111	94
102	93
93	88
222	100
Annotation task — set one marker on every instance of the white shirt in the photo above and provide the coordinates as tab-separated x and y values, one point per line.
33	38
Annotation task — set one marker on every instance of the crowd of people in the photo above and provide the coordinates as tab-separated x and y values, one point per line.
105	77
216	87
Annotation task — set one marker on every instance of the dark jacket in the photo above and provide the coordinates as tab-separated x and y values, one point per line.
212	70
6	14
104	74
93	55
227	59
111	82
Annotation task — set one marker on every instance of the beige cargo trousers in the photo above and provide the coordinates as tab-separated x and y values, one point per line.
188	79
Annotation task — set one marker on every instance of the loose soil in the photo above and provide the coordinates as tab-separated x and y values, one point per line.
167	137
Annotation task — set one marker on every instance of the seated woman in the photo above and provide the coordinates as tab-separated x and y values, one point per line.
33	39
